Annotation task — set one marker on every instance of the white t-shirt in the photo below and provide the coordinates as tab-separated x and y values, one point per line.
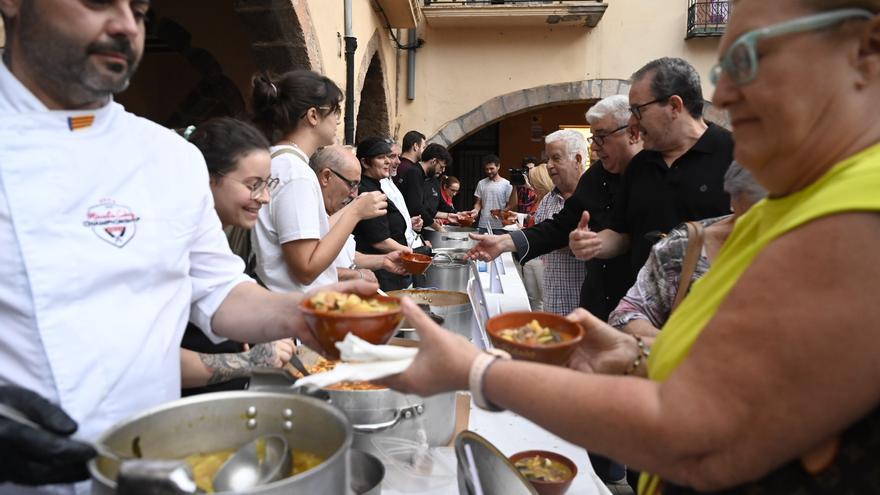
346	256
494	195
295	212
110	244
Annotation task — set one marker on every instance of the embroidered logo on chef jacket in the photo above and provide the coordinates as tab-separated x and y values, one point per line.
81	122
112	223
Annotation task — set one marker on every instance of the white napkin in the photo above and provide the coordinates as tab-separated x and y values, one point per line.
362	361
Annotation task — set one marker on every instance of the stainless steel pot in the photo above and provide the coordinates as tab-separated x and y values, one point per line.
367	473
448	273
382	415
227	420
454	307
454	237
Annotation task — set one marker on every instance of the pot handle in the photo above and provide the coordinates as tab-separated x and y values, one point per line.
399	415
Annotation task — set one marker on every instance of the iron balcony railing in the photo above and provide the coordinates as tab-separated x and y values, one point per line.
707	18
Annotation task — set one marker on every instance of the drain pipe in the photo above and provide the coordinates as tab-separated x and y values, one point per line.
411	40
350	47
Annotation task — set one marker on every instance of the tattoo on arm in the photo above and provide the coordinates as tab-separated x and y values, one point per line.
225	367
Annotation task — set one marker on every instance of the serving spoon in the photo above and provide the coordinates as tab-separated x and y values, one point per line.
244	470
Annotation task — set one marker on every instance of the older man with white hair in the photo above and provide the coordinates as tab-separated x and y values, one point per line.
607	280
566	151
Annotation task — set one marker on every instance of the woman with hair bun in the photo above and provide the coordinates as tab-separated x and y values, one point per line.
294	240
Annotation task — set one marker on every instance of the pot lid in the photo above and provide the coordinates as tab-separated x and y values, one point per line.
497	476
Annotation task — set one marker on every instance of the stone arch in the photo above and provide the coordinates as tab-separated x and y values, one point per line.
281	34
373	116
523	100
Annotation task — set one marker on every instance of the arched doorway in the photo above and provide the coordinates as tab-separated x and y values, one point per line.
372	114
200	56
527	115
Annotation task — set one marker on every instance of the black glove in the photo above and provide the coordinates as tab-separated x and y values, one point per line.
33	457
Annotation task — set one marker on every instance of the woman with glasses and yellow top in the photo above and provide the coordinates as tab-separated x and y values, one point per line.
764	380
238	162
295	242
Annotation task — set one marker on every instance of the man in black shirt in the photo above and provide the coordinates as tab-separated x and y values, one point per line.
607	280
418	184
413	144
677	177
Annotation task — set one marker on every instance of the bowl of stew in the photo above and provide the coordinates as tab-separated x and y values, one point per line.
332	315
465	220
535	336
415	263
550	473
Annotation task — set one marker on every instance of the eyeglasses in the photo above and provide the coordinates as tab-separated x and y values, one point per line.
258	186
352	184
337	110
740	62
637	109
599	139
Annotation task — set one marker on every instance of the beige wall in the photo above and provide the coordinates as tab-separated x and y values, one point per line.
460	69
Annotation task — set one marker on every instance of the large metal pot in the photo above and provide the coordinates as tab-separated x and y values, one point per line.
228	420
454	307
449	273
380	417
454	237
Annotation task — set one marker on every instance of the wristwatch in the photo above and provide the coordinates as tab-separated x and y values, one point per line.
477	374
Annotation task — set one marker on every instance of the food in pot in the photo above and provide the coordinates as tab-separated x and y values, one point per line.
205	466
533	334
337	302
323	365
539	468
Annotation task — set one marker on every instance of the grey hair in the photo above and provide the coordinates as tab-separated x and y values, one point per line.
674	76
329	157
739	181
575	143
616	106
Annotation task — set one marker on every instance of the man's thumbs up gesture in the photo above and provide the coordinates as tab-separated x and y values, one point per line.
584	243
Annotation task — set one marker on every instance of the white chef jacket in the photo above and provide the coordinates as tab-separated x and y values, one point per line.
296	212
395	196
110	243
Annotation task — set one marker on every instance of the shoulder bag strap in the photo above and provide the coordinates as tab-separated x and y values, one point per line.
691	258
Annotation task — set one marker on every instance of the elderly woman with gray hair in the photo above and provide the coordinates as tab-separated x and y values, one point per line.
688	249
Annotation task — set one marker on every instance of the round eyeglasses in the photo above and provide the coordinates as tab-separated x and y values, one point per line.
740	61
599	139
258	185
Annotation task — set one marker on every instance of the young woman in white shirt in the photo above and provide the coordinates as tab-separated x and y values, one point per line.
294	241
237	155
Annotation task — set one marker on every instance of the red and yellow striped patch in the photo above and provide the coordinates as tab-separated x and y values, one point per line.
82	122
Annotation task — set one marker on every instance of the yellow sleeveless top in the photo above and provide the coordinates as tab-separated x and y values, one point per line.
852	185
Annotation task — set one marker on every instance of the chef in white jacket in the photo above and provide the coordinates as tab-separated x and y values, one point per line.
110	242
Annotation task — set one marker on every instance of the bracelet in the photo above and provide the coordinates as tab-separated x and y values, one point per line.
477	374
644	353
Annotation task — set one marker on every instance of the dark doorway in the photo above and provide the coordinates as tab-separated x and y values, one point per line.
467	158
372	116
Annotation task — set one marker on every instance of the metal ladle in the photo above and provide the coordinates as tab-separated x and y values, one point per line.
244	470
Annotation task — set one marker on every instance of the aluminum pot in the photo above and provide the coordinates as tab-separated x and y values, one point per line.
367	473
454	237
448	273
380	416
228	420
454	307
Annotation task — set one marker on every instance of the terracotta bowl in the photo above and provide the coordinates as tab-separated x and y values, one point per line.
329	328
557	354
497	212
415	263
509	218
465	221
549	487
